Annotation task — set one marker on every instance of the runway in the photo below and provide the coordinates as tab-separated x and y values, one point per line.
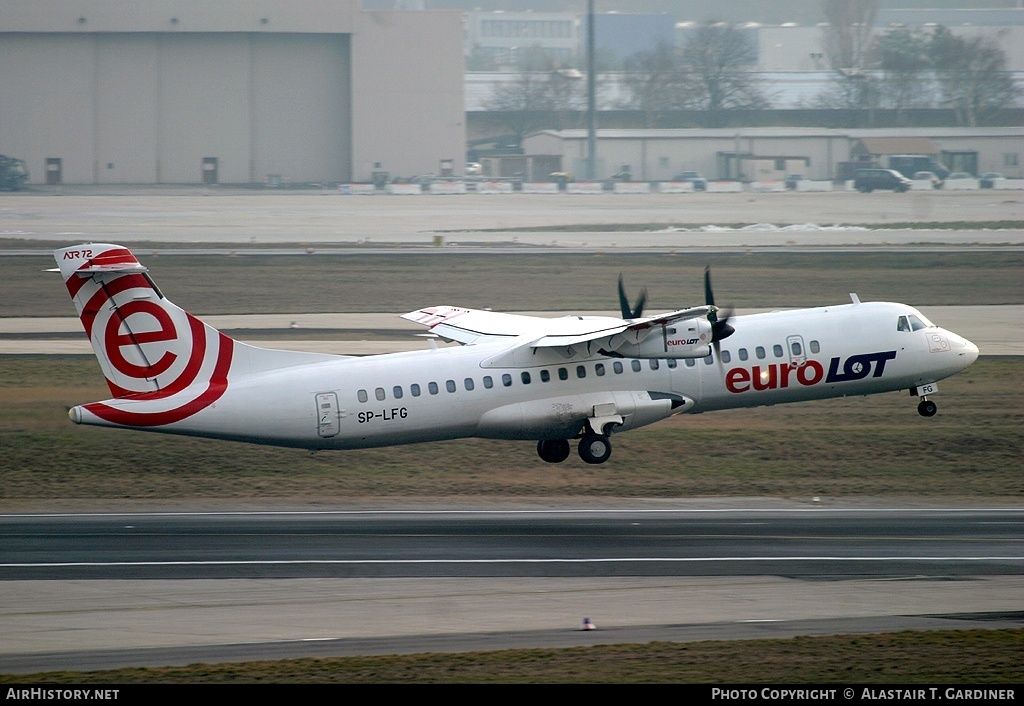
104	590
184	216
176	587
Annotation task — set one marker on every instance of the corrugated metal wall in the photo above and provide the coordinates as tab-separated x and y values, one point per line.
149	107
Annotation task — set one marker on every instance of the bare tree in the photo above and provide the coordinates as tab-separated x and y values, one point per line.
847	44
655	81
848	34
538	96
972	76
716	62
905	82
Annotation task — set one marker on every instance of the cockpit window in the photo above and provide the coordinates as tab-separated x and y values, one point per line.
917	324
913	322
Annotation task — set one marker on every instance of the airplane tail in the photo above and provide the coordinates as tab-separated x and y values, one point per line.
150	350
147	347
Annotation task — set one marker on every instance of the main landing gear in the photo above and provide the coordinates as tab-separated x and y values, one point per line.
593	448
553	450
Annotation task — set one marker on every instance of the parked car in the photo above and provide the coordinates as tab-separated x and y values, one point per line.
867	180
988	180
13	173
792	179
959	175
928	176
699	182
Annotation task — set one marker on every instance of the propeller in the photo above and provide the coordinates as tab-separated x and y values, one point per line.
629	312
720	327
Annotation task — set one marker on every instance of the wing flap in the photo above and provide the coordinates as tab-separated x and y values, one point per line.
468	326
637	329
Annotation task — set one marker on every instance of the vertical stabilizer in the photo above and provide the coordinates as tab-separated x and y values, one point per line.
149	349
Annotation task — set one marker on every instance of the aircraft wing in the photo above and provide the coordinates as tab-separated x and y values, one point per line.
636	329
468	326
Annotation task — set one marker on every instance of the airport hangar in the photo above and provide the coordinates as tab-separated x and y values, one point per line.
230	92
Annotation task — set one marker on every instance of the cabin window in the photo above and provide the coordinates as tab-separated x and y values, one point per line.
672	363
599	370
708	360
777	350
506	380
796	348
397	392
488	382
742	353
525	377
449	385
432	387
563	374
759	352
690	362
379	393
617	367
726	356
635	364
815	347
655	363
581	372
362	396
468	382
414	389
545	376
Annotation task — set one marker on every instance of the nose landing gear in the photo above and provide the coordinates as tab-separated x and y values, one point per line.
926	408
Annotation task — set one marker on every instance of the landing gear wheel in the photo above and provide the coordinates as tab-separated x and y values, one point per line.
595	448
553	450
927	408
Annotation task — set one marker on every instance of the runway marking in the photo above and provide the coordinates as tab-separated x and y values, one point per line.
420	562
566	511
762	620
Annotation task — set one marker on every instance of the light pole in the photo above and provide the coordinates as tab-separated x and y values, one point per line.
591	96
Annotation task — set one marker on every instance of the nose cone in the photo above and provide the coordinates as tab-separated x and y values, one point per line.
965	350
971	352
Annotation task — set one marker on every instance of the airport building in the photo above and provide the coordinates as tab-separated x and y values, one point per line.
231	92
753	154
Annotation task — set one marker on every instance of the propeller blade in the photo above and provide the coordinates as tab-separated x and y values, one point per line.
709	295
720	327
640	304
629	312
623	301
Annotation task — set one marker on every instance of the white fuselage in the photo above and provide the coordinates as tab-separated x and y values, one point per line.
503	389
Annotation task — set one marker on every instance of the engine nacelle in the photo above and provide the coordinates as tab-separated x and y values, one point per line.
690	338
564	417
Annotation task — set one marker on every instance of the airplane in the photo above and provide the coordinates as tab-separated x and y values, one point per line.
548	380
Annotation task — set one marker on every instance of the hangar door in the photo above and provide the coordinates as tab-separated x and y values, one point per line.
258	103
